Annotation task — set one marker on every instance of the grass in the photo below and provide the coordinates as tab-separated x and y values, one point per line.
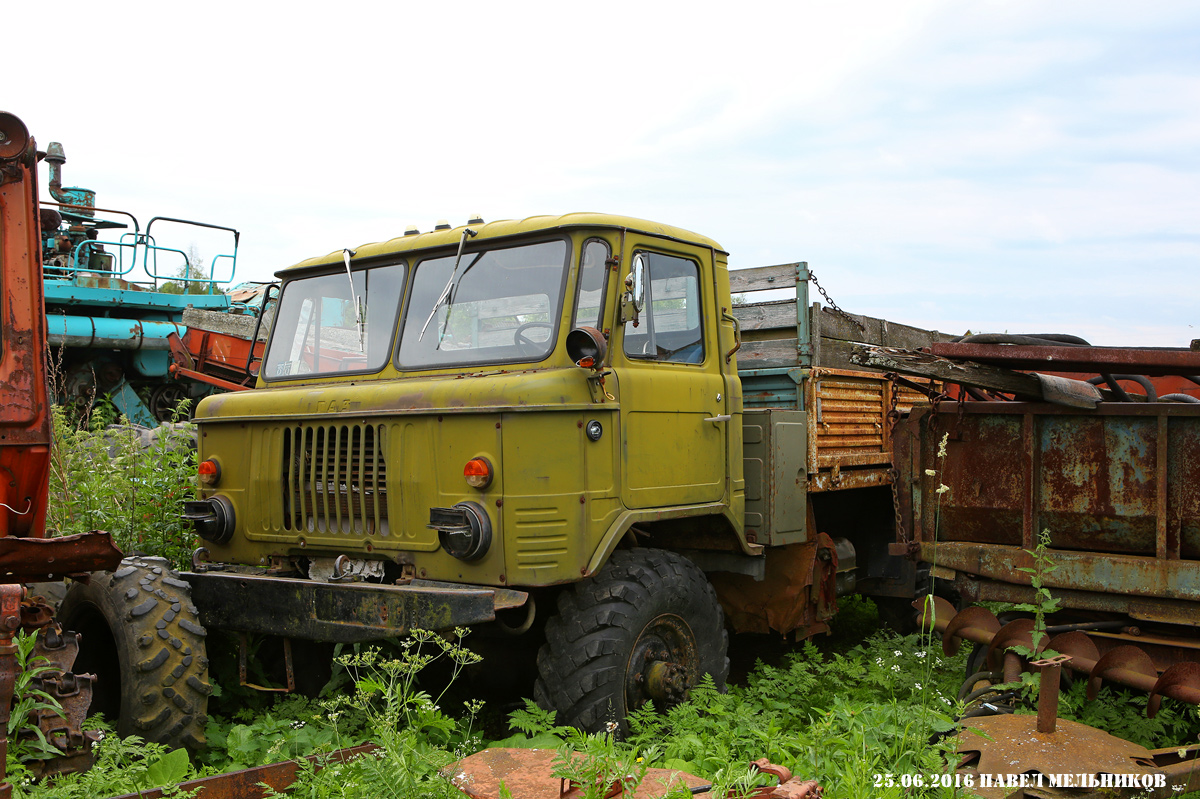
847	709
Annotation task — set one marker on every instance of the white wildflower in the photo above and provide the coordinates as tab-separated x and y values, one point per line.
930	472
896	669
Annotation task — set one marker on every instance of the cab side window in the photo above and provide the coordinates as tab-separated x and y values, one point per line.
669	328
593	271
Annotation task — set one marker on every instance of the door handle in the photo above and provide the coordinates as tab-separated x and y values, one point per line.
722	418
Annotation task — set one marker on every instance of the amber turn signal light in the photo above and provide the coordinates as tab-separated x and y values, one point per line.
210	472
478	473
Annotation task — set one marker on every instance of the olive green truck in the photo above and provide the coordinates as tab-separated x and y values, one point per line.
579	431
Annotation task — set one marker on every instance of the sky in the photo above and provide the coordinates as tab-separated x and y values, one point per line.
984	166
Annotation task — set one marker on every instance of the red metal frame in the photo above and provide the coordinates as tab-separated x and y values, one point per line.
24	407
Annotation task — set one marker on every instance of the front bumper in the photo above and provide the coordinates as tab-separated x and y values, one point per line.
341	612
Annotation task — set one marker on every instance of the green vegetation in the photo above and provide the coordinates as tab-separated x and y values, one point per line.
862	703
839	717
106	474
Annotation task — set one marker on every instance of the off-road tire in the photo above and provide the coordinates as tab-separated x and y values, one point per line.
141	636
585	665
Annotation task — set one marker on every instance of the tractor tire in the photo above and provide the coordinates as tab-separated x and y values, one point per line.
142	638
646	627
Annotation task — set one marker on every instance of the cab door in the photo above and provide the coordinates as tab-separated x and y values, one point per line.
673	408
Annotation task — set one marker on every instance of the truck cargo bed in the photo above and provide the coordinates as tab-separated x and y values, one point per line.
796	356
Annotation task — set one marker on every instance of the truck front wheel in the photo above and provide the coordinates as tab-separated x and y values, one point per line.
647	627
142	639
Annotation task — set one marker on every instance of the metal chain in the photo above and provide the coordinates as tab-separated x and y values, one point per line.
893	416
812	277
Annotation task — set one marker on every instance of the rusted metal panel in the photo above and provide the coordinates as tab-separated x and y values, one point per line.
526	773
1124	360
849	430
798	592
1095	480
1118	488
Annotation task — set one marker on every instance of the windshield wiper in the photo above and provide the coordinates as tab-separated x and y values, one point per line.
445	295
358	316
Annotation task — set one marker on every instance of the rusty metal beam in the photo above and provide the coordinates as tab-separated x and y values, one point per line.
1081	571
1152	362
35	559
1167	611
248	783
922	364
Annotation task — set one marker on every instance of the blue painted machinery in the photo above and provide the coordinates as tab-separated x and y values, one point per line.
114	295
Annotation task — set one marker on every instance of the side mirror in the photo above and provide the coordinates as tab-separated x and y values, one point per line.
586	347
634	298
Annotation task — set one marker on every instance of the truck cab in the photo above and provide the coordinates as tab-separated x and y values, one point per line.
539	424
416	386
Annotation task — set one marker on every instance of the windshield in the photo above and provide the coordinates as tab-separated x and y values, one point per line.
316	329
503	306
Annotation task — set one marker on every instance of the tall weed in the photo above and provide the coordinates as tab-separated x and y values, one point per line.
125	480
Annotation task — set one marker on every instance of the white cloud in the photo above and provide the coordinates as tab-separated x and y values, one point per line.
948	164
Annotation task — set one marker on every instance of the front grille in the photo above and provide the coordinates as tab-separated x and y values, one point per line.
335	479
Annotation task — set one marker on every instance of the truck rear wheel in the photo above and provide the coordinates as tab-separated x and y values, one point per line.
647	627
142	638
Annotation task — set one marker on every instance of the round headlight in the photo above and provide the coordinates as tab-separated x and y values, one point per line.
213	518
470	541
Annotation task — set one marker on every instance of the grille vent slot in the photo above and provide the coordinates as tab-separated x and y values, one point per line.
335	479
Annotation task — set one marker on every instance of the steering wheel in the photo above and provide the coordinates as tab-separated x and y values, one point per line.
527	344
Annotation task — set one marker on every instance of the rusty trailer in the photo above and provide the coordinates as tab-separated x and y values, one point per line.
1113	492
1117	488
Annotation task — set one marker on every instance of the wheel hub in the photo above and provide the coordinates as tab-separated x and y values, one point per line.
663	665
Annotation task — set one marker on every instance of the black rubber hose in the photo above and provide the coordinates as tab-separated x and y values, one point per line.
1151	393
1179	398
976	677
990	689
1115	387
1033	339
985	710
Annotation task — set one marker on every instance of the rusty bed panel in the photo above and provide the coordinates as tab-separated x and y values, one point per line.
849	438
1118	489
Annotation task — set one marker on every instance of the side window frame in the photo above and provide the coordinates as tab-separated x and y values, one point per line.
603	282
647	312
